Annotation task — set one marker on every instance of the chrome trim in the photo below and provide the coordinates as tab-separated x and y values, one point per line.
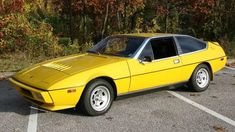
146	42
140	49
157	60
179	50
176	61
194	52
163	36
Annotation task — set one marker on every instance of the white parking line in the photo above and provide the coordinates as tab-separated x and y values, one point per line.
38	109
33	117
203	108
230	68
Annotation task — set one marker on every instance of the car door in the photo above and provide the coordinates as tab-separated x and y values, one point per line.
157	65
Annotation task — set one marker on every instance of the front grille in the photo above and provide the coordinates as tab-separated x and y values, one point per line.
26	92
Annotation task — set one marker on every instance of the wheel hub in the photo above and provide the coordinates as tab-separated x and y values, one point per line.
202	78
100	98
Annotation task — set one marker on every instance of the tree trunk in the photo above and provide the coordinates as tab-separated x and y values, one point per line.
125	19
118	21
84	17
1	5
167	16
45	4
105	20
70	20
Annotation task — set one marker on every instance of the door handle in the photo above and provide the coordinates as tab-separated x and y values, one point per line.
176	61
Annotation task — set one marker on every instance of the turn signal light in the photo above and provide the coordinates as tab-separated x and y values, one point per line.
71	91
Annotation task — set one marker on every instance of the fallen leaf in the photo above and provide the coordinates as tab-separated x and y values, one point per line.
2	78
213	83
170	96
214	96
109	118
218	128
194	94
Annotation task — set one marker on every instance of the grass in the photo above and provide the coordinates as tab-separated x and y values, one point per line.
17	61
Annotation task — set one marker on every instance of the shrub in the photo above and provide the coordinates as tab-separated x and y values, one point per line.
17	33
229	46
65	41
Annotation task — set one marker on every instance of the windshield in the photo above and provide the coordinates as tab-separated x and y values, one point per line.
123	46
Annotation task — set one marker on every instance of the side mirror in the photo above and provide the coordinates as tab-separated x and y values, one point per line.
147	59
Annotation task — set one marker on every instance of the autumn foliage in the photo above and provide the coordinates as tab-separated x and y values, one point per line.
59	27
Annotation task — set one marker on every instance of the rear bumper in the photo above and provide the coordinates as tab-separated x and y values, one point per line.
50	100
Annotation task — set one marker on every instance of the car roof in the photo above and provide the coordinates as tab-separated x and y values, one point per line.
148	35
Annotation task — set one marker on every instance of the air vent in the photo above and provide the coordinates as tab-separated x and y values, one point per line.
57	66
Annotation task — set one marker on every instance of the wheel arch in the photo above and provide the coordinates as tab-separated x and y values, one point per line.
109	80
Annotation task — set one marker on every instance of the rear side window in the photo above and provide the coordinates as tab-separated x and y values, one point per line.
189	44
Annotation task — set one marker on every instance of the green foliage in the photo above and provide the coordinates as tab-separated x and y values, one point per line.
34	37
65	41
229	46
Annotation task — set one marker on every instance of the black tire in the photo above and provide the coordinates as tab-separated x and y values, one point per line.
194	84
86	100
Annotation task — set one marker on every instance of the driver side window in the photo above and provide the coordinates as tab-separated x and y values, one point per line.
159	48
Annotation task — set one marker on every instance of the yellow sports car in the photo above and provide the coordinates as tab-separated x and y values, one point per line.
119	65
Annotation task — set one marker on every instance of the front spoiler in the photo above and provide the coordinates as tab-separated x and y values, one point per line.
49	100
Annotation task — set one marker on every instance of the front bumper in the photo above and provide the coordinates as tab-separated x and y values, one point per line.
51	100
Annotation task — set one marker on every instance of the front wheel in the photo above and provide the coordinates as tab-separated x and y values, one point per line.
200	78
97	98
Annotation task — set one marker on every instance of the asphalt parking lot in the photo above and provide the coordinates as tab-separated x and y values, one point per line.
153	111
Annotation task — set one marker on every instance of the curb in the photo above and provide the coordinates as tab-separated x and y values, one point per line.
230	68
230	63
5	75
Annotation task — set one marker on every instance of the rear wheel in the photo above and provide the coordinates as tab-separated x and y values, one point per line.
200	78
97	98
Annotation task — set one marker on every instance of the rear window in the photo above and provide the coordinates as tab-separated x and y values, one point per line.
189	44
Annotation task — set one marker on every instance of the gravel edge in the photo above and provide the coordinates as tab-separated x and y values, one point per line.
231	63
5	75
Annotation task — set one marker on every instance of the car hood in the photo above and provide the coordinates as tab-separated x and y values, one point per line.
44	75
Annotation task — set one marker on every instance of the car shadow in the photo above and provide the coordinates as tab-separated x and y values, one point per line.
11	101
72	111
177	88
183	88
